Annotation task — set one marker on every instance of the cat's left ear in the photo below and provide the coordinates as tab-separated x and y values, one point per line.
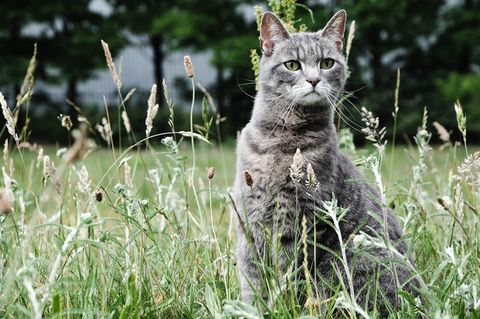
335	28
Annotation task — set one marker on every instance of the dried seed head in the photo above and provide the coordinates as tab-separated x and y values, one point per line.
248	178
126	122
49	169
443	134
296	168
105	130
311	177
98	195
66	121
111	65
152	110
84	181
10	119
40	157
9	167
6	201
26	89
211	172
187	63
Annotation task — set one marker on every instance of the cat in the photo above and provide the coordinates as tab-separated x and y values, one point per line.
301	76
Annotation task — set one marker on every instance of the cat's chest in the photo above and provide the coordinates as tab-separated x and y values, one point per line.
274	171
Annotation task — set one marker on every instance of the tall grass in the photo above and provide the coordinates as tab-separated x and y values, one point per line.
148	232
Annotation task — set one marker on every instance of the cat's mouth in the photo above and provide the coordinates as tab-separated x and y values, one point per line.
312	97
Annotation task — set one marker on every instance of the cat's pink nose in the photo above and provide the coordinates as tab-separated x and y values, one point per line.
313	82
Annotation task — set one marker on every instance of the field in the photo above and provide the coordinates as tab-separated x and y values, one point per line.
125	233
148	231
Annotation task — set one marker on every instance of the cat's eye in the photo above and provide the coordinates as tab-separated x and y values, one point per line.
326	64
292	65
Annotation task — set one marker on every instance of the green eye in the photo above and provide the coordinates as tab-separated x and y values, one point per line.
292	65
326	64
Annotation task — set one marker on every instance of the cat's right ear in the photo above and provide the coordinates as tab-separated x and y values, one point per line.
272	31
335	28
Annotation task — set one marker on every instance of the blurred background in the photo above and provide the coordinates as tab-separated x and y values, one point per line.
435	44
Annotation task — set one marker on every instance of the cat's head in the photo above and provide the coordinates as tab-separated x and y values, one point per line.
304	68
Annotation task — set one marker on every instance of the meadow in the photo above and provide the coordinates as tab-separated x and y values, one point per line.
148	231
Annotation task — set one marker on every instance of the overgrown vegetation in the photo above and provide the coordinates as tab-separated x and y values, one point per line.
148	232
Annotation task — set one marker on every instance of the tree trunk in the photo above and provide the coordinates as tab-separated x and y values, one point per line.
158	57
72	93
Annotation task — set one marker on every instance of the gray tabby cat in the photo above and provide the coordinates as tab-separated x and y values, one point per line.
302	75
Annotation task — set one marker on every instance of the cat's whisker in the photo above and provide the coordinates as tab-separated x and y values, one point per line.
351	92
352	104
243	91
339	101
346	95
277	97
349	122
354	126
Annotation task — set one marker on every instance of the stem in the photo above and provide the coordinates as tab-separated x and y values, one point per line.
344	258
194	158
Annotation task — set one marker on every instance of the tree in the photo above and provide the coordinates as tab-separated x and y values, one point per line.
194	24
73	52
16	48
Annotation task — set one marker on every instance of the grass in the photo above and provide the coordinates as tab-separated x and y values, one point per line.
144	233
136	255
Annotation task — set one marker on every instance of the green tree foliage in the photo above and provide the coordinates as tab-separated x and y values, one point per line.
197	25
15	47
68	35
73	49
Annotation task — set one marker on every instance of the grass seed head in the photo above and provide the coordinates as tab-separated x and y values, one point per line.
27	86
296	168
11	122
152	110
49	169
84	182
105	130
248	179
66	121
211	172
111	65
98	195
187	63
443	134
8	162
126	122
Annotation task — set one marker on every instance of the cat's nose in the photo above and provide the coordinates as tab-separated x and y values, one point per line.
313	82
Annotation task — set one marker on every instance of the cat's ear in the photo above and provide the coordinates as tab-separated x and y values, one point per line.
272	31
335	28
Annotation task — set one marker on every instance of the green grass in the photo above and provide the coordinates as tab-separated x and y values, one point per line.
143	253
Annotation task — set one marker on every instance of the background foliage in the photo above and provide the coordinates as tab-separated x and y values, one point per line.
435	44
